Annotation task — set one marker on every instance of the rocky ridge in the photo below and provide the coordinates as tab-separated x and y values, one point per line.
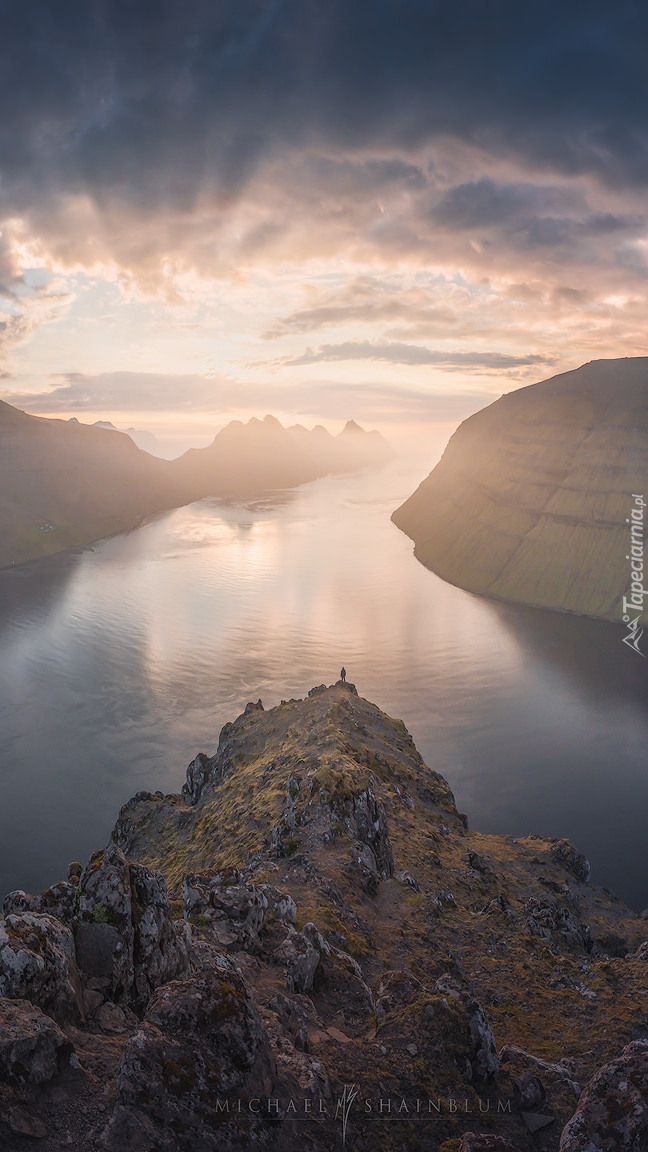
310	932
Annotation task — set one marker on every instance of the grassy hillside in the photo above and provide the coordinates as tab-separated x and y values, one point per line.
530	500
63	484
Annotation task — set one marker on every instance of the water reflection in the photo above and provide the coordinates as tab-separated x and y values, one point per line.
118	665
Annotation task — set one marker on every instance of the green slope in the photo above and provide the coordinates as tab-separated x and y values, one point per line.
530	500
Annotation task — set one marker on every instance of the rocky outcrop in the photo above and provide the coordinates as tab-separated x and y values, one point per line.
32	1047
125	935
37	963
299	956
612	1115
566	856
202	1047
314	912
534	496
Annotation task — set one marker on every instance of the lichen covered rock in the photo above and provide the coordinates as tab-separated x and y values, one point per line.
201	1045
299	957
37	963
125	931
32	1047
612	1114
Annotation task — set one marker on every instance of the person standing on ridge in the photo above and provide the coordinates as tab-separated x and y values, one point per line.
343	675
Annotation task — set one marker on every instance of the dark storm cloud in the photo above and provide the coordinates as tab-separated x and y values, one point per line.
415	354
524	215
484	203
154	101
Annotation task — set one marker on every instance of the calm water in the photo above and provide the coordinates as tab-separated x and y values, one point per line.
119	664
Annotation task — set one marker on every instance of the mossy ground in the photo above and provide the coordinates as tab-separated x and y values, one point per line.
548	997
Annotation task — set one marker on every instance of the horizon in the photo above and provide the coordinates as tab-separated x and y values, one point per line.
390	216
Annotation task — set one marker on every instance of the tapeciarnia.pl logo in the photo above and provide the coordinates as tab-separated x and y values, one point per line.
633	603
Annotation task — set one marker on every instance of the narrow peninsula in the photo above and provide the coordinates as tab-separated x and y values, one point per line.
309	948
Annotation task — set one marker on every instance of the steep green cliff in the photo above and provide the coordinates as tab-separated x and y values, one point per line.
532	499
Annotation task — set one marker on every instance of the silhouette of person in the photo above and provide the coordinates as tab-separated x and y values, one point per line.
343	675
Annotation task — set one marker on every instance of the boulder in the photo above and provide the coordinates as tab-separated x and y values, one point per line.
570	860
37	963
300	957
20	901
483	1058
160	945
32	1047
198	774
125	933
280	904
237	911
202	1044
612	1114
529	1092
99	951
106	890
60	900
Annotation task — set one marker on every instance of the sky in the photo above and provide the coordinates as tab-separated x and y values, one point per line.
391	210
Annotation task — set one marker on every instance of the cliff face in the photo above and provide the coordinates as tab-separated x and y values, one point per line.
313	913
64	484
531	498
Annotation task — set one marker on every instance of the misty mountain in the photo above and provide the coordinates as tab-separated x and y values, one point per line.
65	484
139	436
244	459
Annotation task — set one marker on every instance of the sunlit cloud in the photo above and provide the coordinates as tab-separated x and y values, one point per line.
437	195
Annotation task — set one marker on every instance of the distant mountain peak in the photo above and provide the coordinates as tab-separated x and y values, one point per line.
351	426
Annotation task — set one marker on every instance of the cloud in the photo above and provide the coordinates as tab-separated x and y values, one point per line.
148	104
164	147
325	399
485	202
415	354
365	300
524	214
130	391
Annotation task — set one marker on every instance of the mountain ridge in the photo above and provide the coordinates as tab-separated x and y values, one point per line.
311	912
64	484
